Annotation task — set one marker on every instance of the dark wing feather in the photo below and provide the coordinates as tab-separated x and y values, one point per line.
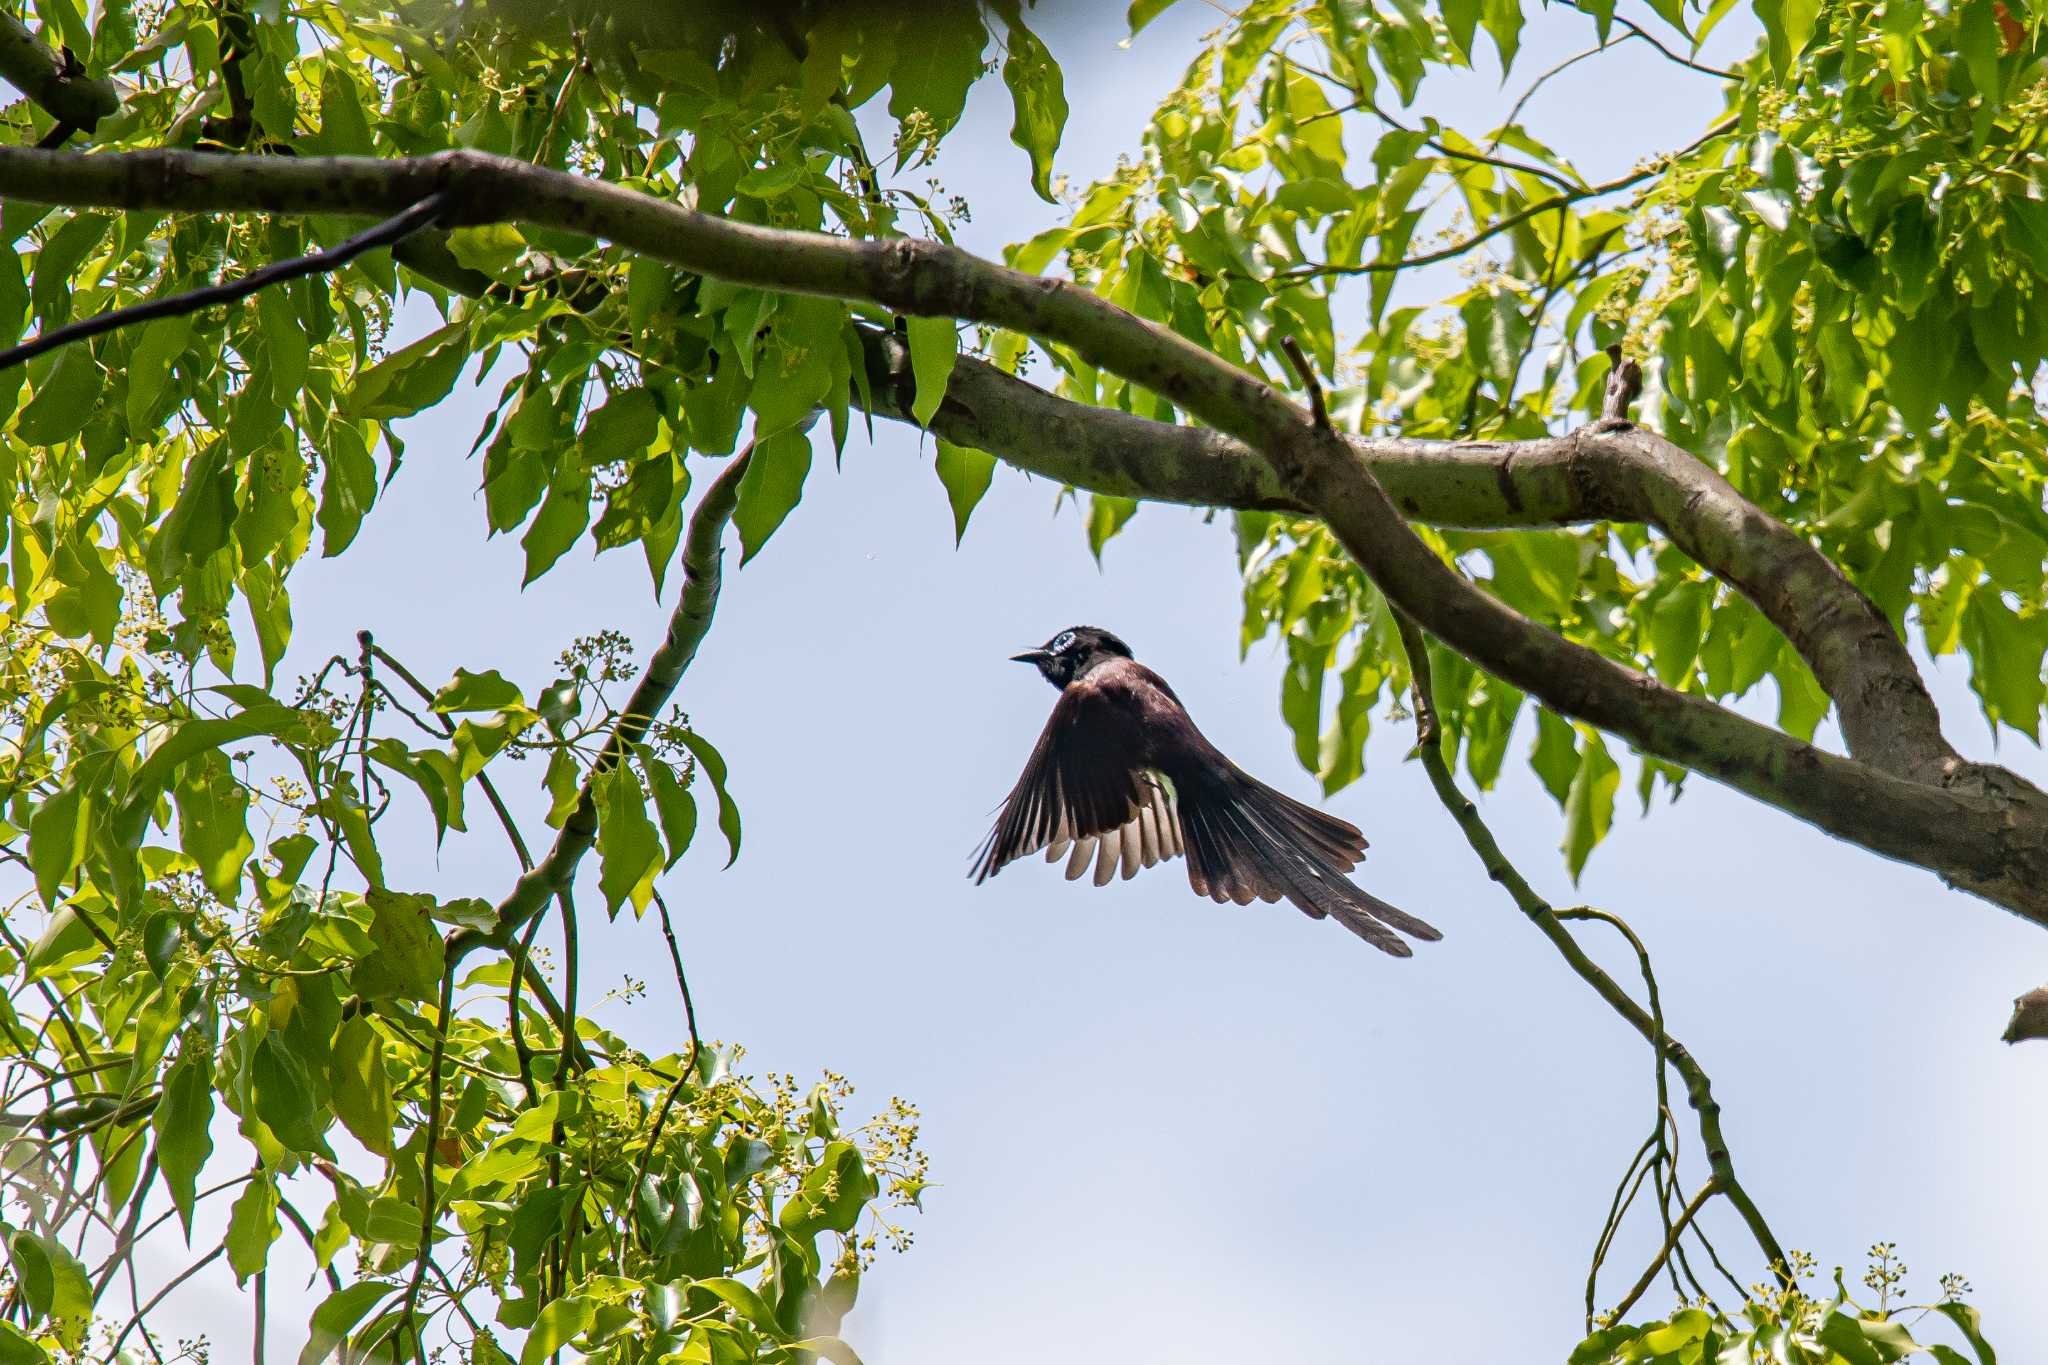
1083	778
1247	842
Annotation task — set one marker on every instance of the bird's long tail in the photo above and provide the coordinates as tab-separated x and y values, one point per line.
1248	842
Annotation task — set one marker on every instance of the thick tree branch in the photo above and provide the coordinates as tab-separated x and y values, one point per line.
1988	833
55	81
1613	471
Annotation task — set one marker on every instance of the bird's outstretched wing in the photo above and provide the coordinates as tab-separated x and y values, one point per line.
1086	796
1121	778
1246	841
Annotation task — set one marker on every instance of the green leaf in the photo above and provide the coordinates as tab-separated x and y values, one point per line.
33	1274
157	346
70	1293
1801	703
181	1125
1978	40
1143	12
712	763
489	248
1107	515
13	309
213	823
64	942
1915	365
63	400
16	1348
746	1301
559	522
361	1087
1971	1325
1676	626
623	428
794	372
58	834
337	1316
2026	224
674	805
1788	24
412	378
252	1227
934	347
1496	332
947	61
1502	20
88	605
1842	1334
559	1323
348	487
771	487
485	691
1039	100
284	1096
406	963
628	847
344	131
965	472
1589	805
286	341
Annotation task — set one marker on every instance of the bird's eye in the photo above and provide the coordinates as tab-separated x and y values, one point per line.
1061	641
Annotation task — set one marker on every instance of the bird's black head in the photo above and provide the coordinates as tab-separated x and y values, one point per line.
1071	653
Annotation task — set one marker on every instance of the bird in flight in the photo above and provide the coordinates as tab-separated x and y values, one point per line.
1121	778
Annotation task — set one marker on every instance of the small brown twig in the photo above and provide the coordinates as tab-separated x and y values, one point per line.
1624	386
1316	406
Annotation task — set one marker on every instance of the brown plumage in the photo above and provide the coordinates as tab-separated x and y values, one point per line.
1121	778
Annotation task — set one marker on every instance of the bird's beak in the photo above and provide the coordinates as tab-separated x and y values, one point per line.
1030	656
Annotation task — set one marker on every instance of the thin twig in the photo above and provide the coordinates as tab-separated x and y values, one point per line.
429	1203
1636	30
262	1303
1513	220
192	301
1302	368
538	983
298	1220
1699	1088
1699	1201
1515	112
204	1261
689	1070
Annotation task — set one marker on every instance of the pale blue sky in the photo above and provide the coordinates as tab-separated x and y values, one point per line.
1167	1130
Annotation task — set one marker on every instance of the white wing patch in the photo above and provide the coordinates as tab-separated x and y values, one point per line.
1151	835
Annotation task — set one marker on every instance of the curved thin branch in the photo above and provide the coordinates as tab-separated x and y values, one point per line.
1678	1227
1698	1088
1514	220
172	305
1984	829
